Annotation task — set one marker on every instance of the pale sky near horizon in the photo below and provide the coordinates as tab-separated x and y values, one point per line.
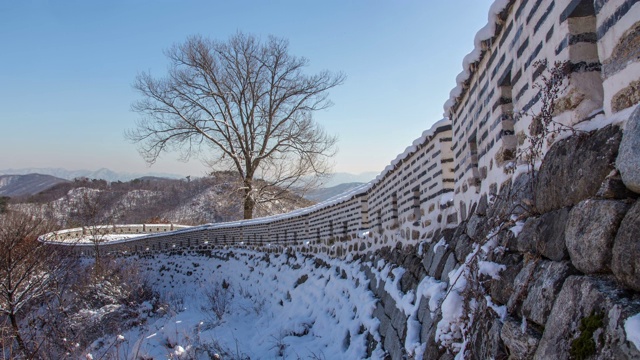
66	69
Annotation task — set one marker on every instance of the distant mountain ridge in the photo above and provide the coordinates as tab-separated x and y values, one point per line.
322	194
103	174
29	184
110	175
347	178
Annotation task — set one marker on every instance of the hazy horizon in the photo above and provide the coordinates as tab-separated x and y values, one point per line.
70	174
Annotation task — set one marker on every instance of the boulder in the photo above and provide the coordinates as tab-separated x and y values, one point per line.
628	160
589	309
626	250
574	169
590	234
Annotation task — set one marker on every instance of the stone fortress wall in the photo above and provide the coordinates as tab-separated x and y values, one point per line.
439	208
461	161
597	38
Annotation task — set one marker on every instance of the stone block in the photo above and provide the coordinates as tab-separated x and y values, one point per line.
519	345
626	51
544	235
379	289
449	265
392	344
590	234
428	256
511	198
379	314
434	350
464	246
408	282
581	298
550	232
626	97
613	188
626	250
414	272
427	322
474	226
439	259
501	289
485	338
574	168
369	275
483	205
389	305
526	282
543	288
628	160
399	323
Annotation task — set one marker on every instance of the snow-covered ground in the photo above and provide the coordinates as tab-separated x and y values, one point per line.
250	305
90	239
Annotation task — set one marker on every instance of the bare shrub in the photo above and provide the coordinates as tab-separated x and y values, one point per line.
217	300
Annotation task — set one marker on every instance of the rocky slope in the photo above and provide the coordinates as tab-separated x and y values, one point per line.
548	271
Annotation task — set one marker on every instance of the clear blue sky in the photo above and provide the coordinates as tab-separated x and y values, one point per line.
66	69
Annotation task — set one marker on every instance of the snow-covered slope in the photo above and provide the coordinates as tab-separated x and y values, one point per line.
20	185
251	305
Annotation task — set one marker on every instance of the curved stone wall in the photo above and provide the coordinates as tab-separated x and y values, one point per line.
456	166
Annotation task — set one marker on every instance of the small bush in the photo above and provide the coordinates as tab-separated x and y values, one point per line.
301	280
584	346
218	300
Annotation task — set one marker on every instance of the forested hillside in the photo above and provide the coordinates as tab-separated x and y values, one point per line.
86	202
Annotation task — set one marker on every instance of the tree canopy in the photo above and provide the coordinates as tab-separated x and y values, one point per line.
244	105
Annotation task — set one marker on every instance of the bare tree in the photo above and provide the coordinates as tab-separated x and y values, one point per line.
96	211
26	267
4	203
248	102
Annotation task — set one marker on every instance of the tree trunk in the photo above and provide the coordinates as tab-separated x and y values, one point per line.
16	333
249	202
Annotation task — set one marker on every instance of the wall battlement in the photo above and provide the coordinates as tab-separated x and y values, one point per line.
461	160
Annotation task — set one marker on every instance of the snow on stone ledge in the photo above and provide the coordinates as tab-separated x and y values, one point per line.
632	329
